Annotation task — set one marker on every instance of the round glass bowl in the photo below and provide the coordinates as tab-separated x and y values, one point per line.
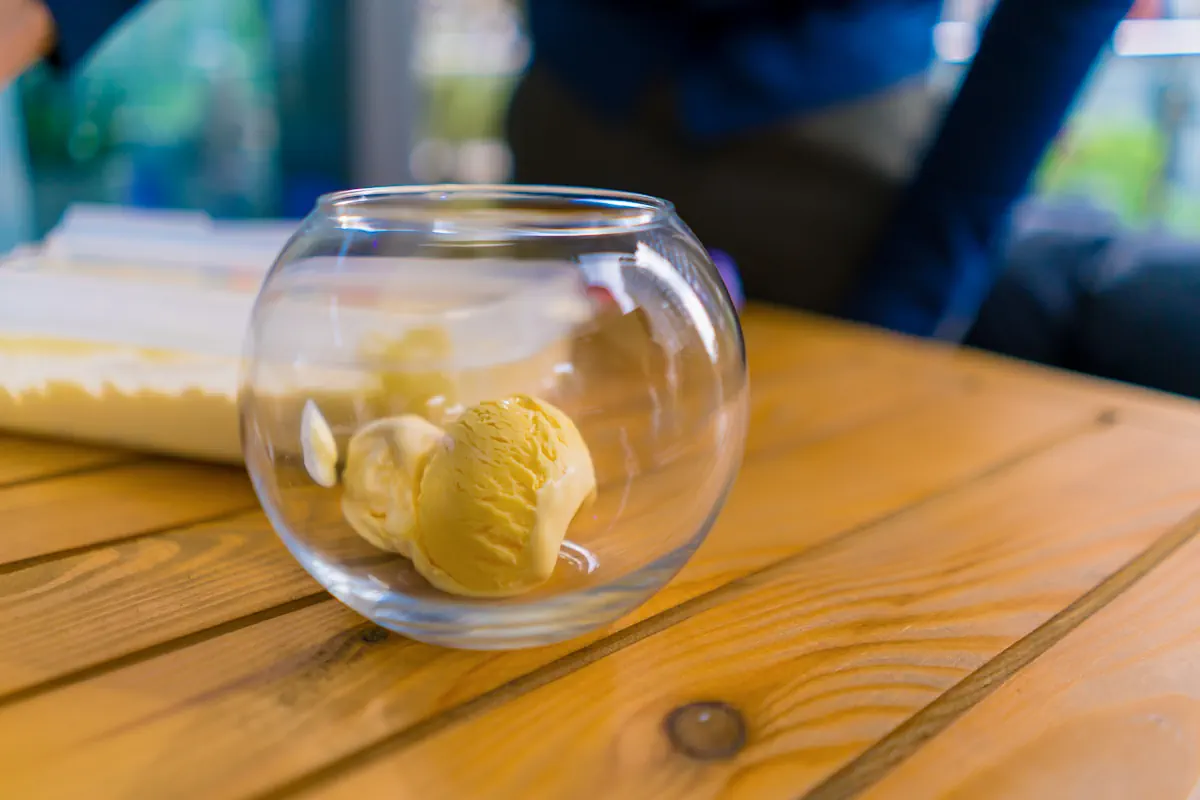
429	300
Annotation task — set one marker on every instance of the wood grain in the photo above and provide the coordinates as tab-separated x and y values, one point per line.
1112	711
883	755
873	505
781	330
780	342
786	411
843	482
75	511
270	714
635	420
823	654
23	460
71	613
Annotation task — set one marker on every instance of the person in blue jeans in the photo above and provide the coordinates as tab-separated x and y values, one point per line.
801	137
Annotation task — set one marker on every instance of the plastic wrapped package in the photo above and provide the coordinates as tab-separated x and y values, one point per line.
148	358
121	362
124	327
408	336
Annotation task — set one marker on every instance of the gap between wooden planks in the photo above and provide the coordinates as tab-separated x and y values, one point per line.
1177	414
333	676
824	654
1111	710
856	396
79	510
75	612
1001	378
25	460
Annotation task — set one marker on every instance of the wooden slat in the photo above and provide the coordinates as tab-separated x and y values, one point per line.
269	714
787	330
816	413
801	389
1136	404
30	459
786	411
780	342
824	654
70	613
74	511
1112	711
814	405
842	482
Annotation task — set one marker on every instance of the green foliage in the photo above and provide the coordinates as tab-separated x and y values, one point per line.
461	107
1114	165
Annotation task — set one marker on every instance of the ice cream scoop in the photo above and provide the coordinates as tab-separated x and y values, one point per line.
497	495
384	460
318	446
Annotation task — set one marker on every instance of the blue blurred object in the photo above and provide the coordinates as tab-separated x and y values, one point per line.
234	107
1080	291
15	219
737	64
937	260
79	23
729	274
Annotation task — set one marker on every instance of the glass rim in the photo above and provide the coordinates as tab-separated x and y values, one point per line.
607	209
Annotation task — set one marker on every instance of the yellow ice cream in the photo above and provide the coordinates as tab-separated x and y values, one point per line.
416	373
407	369
318	446
496	497
383	468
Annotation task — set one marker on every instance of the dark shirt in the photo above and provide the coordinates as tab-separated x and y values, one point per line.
739	65
734	64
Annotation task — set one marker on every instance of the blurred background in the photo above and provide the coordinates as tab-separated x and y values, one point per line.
252	108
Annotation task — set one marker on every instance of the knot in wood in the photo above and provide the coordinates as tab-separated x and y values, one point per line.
706	731
374	634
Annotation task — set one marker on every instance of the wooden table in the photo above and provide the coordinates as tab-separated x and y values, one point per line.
940	574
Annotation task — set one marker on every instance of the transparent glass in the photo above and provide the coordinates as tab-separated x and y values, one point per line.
427	300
